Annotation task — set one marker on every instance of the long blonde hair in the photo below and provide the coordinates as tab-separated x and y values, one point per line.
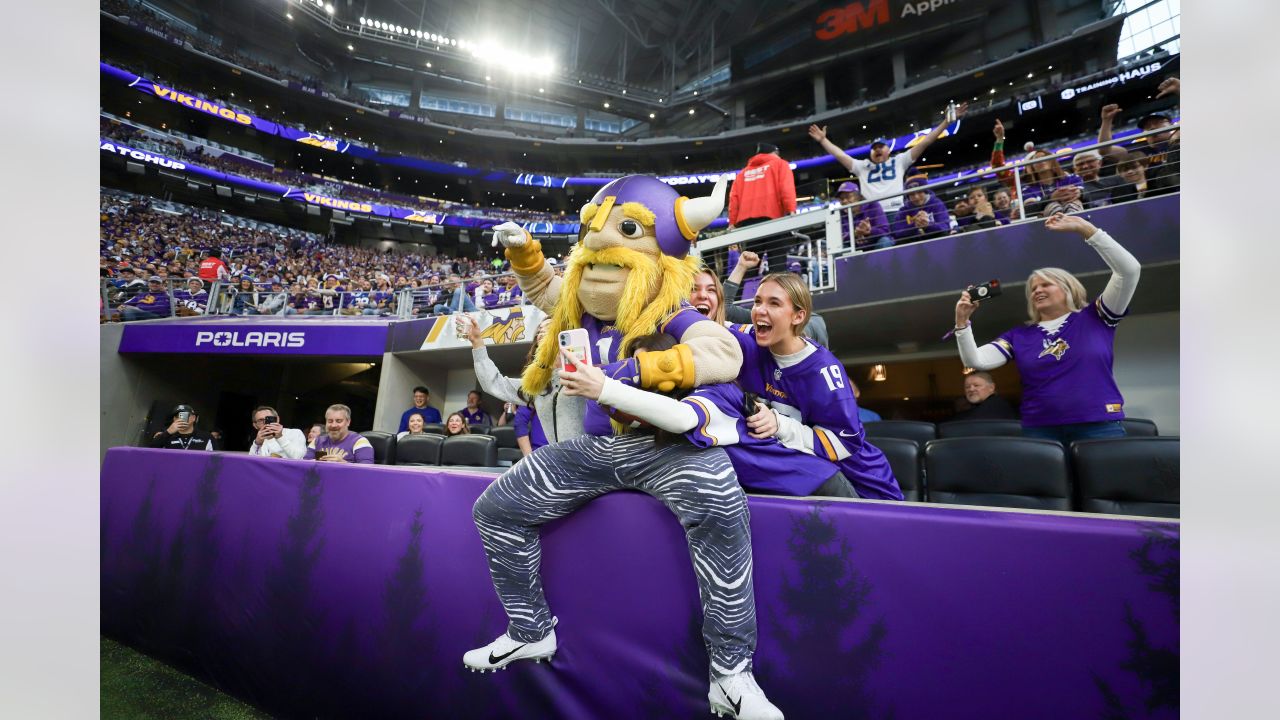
718	315
654	290
1076	295
797	292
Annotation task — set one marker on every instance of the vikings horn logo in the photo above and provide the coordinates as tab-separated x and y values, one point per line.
1057	349
509	331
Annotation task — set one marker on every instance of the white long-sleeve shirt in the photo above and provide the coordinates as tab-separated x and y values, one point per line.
291	444
1125	270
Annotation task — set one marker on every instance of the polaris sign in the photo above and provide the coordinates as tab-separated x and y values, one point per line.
254	339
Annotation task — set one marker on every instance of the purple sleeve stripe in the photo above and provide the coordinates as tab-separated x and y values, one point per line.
1003	346
1106	313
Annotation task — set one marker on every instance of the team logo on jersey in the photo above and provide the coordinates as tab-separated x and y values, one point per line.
777	374
1057	348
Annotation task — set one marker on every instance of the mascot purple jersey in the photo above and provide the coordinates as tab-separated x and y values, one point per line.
815	392
605	342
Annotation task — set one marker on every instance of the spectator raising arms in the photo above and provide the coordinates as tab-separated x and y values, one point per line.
881	176
1065	353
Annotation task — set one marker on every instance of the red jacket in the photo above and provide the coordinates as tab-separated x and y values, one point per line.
765	188
212	268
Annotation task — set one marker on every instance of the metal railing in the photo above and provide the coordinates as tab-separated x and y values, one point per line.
819	235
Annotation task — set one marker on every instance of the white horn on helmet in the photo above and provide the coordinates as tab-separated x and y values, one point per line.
693	214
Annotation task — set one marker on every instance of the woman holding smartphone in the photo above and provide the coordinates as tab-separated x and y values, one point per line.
549	417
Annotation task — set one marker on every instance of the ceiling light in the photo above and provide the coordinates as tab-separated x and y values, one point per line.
428	64
487	78
652	116
362	21
351	47
539	89
1030	75
690	111
328	9
878	373
606	105
289	15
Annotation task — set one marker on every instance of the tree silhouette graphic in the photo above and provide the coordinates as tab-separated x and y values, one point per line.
1155	667
825	604
405	639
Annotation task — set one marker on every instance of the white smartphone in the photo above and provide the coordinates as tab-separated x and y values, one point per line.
578	342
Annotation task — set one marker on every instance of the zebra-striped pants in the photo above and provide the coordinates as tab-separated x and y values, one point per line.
698	485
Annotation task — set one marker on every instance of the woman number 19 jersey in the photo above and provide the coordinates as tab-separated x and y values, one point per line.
815	392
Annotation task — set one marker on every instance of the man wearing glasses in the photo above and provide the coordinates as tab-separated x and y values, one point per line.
274	439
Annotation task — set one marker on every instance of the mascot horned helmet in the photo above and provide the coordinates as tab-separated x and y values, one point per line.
676	219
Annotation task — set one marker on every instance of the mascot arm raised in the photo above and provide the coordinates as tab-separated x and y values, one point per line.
538	281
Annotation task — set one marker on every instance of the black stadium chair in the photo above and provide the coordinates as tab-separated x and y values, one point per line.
921	432
904	458
470	450
1128	476
433	428
1137	427
999	472
479	429
980	428
509	456
384	446
505	435
419	450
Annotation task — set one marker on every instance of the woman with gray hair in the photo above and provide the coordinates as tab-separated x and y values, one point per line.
1065	353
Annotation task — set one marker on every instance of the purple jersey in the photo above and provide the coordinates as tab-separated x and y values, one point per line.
1066	376
508	297
528	425
479	417
939	219
1033	192
873	214
489	301
156	303
764	464
604	340
353	448
815	392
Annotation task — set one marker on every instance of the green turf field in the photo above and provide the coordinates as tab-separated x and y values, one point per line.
138	687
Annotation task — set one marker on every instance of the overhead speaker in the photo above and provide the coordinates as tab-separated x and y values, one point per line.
223	191
135	168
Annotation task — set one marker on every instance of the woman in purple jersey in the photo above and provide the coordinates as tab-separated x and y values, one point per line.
811	406
1065	353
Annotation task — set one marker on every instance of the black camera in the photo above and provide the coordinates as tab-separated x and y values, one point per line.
985	291
749	404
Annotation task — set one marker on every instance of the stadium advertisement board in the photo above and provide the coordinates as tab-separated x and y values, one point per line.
835	26
226	336
327	590
499	326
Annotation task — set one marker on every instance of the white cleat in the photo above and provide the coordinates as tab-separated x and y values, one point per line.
504	651
738	696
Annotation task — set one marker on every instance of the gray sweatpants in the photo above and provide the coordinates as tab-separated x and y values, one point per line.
698	485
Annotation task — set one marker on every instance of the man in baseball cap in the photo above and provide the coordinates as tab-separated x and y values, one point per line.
863	226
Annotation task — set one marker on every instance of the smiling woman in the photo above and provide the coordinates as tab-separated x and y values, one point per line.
810	404
1065	353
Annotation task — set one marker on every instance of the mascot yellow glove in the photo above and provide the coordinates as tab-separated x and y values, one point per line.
527	257
666	370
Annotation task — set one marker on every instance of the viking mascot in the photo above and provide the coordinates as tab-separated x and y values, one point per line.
628	277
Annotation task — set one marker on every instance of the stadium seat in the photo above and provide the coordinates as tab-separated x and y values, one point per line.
1128	476
980	428
904	458
505	435
1138	427
921	432
508	455
470	450
999	472
433	428
419	450
479	429
384	446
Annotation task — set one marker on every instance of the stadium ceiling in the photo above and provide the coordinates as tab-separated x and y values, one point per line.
645	43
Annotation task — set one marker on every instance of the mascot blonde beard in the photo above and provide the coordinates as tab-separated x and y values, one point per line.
630	271
628	277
